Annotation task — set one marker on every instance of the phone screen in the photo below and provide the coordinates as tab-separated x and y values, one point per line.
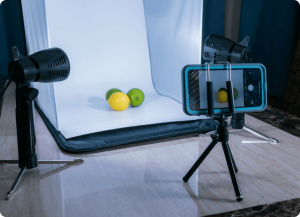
246	83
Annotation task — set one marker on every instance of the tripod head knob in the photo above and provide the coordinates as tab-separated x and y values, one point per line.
30	94
25	95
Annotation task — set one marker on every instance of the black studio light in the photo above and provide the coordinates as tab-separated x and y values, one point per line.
50	65
219	49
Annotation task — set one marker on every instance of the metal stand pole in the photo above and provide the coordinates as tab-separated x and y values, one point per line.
199	161
234	165
229	160
16	183
273	140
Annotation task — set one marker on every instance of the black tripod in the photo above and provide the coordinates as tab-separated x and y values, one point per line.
221	135
26	134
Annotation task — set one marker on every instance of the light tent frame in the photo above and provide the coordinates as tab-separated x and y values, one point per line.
116	44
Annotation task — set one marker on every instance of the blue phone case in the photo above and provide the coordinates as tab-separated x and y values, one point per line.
185	89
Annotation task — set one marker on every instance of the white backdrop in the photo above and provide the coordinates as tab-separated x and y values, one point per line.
108	47
174	30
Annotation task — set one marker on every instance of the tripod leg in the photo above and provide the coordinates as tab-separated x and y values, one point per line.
199	161
16	182
233	161
207	134
76	160
232	172
273	140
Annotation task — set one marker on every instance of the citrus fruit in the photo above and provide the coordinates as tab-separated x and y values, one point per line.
235	93
119	101
136	96
111	91
222	96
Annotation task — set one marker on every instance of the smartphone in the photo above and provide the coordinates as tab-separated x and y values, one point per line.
249	83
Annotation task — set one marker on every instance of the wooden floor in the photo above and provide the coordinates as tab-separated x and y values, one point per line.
145	179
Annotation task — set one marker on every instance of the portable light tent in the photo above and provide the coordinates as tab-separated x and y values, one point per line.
115	44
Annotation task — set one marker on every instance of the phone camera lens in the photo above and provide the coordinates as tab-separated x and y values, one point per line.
250	87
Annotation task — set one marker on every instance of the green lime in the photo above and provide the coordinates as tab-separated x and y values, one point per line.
222	88
235	93
111	91
136	96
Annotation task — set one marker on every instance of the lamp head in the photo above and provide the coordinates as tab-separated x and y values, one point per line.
50	65
220	49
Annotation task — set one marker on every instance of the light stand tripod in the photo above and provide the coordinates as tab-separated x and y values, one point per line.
26	133
238	122
221	135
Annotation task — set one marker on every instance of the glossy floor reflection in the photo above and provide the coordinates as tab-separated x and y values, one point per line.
145	179
279	119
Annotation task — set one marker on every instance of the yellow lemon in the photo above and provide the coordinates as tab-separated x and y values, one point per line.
222	96
119	101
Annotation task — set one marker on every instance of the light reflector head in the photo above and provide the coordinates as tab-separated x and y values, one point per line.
50	65
221	50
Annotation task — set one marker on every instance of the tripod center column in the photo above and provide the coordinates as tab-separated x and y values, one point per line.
222	131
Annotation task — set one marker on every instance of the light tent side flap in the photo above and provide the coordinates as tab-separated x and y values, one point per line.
115	44
37	38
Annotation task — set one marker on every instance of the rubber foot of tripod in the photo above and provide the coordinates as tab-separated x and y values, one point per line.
240	198
185	179
8	195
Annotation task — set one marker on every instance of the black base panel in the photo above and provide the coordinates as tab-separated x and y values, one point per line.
111	138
